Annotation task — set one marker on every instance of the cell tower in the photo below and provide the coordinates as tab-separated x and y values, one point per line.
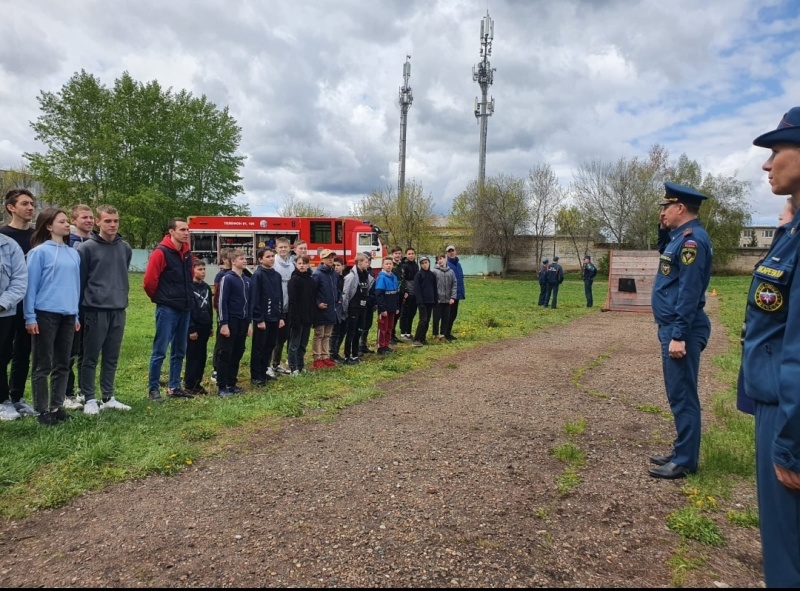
405	104
483	74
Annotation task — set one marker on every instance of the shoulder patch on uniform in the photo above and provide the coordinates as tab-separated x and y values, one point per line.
770	272
690	244
687	232
688	255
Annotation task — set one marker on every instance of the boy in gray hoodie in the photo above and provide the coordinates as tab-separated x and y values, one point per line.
105	259
446	295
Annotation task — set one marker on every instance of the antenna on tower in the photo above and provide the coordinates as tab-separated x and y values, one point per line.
405	104
483	74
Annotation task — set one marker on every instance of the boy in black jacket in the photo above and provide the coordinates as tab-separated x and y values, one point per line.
266	296
426	296
234	324
200	323
302	308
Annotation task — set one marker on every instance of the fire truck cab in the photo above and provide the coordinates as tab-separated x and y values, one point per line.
345	236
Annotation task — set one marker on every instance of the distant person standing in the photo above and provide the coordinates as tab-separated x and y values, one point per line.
554	279
266	297
587	274
354	302
168	284
201	323
302	308
51	312
408	307
425	296
387	297
16	348
678	299
455	265
82	222
542	277
13	285
446	292
234	315
105	259
326	281
284	265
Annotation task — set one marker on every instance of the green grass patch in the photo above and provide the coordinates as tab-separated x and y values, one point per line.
746	518
573	428
570	454
567	480
691	524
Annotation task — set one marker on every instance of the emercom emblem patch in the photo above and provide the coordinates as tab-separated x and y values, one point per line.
768	297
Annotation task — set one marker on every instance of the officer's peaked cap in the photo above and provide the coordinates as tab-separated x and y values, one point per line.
675	193
555	258
788	131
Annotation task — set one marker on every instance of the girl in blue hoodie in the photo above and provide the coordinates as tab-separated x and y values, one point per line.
51	311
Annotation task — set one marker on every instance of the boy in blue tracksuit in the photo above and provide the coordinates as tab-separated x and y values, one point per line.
387	295
266	295
233	315
200	323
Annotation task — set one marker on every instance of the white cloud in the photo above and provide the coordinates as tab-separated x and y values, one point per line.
313	84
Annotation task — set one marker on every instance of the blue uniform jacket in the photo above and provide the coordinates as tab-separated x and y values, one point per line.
266	295
771	351
684	271
459	273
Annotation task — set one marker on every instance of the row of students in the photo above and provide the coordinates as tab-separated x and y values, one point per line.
329	307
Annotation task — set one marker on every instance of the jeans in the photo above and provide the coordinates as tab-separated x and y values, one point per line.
196	355
102	333
552	291
408	309
172	330
261	348
386	326
51	351
587	289
230	351
298	341
17	350
352	332
451	320
441	318
425	312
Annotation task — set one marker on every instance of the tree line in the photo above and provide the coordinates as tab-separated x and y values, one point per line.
156	154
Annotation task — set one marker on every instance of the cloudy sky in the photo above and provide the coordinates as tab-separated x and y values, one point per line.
314	83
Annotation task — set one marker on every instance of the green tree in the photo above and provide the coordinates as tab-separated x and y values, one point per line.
293	206
153	153
498	212
405	218
582	230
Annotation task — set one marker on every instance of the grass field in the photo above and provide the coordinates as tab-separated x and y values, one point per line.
45	467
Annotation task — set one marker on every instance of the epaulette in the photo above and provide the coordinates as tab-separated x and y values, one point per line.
687	232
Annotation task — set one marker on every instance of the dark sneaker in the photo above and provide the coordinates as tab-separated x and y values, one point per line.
449	337
417	344
60	414
155	396
198	391
237	390
48	418
224	392
179	393
258	383
384	350
365	350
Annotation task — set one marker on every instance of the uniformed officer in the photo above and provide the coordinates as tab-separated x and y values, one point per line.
771	367
542	280
678	298
553	278
587	274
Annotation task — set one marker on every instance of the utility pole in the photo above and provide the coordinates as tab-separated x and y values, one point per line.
483	74
405	104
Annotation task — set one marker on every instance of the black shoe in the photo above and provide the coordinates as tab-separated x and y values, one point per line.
365	350
48	418
155	396
660	460
179	393
670	471
224	392
449	337
236	389
60	415
384	350
258	383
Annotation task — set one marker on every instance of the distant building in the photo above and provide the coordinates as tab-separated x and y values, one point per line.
757	236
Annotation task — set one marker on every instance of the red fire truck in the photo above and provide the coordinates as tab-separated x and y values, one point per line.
345	236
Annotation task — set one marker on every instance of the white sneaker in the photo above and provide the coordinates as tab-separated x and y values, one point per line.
213	376
8	412
281	369
115	404
295	373
25	409
70	403
91	408
271	373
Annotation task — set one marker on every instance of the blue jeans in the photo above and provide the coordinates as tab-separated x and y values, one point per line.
172	330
